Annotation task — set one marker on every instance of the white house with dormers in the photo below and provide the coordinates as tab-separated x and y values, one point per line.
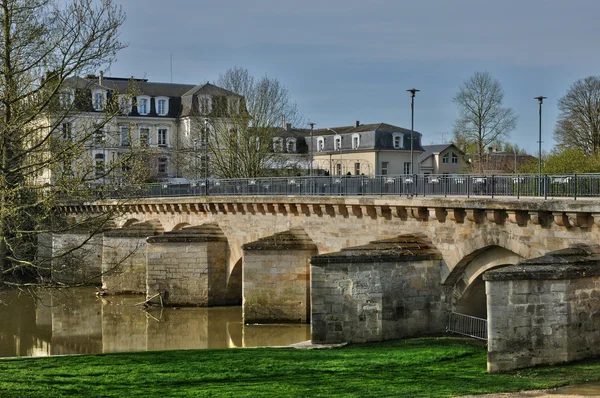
169	117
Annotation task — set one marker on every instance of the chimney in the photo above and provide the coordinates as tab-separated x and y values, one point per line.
100	76
288	126
282	121
356	123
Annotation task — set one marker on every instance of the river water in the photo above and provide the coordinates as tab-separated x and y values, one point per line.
75	321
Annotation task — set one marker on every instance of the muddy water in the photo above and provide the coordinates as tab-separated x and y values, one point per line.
77	322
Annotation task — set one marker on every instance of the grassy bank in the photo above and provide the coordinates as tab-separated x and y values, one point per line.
427	367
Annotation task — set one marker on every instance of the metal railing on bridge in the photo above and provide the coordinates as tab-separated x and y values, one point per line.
546	186
467	325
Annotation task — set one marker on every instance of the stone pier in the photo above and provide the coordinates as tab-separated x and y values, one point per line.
276	278
124	257
388	289
544	310
77	257
188	267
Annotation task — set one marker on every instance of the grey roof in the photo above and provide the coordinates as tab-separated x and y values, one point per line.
438	148
140	86
209	89
362	128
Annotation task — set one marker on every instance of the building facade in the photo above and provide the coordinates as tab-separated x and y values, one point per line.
443	159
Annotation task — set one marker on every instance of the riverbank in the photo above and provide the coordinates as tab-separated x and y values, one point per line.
424	367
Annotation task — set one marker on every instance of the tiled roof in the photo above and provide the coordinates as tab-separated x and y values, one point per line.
140	86
431	149
361	129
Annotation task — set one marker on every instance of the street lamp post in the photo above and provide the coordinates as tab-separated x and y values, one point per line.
412	92
310	166
540	101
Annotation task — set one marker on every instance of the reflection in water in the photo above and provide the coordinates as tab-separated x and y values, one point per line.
77	322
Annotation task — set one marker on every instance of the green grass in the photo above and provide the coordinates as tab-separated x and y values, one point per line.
424	367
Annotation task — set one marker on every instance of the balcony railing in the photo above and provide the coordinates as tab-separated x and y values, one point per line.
516	186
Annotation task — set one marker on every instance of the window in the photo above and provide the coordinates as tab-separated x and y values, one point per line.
204	135
337	143
144	136
320	144
357	168
406	167
278	144
98	137
98	99
67	97
162	136
338	167
124	136
290	145
445	158
257	139
125	104
355	141
163	165
454	158
99	165
162	106
384	168
234	105
398	140
143	105
67	132
204	103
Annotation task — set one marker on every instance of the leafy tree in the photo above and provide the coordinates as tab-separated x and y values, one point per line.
578	124
564	161
483	121
43	44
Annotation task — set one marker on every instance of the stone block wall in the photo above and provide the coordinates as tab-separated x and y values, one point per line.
124	264
543	311
377	292
188	267
83	265
276	278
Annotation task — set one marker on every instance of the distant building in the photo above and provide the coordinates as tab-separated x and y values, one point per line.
501	162
443	159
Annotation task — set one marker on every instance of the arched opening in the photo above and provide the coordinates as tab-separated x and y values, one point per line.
180	226
234	285
466	279
130	222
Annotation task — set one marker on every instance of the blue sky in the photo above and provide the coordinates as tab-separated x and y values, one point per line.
346	60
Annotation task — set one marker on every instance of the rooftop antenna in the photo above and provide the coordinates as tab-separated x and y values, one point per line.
171	59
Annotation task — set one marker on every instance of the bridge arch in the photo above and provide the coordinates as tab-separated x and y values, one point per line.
180	226
129	222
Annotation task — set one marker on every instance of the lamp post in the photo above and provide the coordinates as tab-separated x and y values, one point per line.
310	166
412	92
540	101
205	144
341	156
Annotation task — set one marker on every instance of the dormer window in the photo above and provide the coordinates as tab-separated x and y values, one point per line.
205	105
234	105
355	141
67	97
337	142
125	104
99	100
290	145
398	140
278	144
445	158
143	105
320	144
162	106
454	158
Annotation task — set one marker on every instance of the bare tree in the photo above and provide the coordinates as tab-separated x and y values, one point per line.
241	144
578	125
483	121
43	162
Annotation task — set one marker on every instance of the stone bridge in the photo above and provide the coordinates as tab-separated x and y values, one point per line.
218	250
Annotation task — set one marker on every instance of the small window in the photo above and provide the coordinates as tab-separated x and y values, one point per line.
257	141
99	165
398	140
143	105
355	141
204	104
162	106
454	158
320	144
406	167
384	168
338	167
67	132
124	136
234	105
98	136
125	104
144	136
445	158
278	144
98	100
163	165
290	145
162	137
357	168
66	98
337	143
